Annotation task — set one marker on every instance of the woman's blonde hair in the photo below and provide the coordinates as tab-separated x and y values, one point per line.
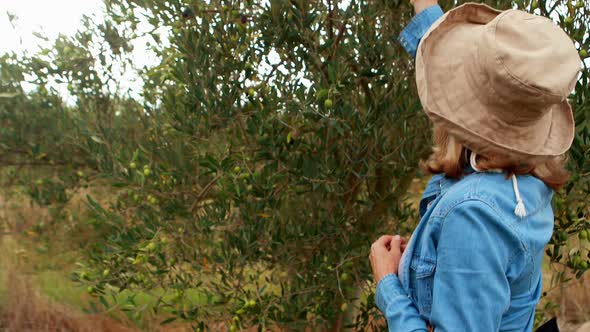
449	156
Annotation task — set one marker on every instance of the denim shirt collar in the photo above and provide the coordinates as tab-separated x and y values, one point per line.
441	183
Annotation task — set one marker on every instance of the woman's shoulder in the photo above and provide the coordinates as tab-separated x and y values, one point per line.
497	192
482	206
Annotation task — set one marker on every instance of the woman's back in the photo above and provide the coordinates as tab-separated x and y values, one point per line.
471	247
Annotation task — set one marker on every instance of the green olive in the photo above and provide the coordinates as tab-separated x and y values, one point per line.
344	307
151	246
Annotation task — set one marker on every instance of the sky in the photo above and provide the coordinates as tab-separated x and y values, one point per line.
48	17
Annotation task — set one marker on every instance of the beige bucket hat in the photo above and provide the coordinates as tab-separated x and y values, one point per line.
498	81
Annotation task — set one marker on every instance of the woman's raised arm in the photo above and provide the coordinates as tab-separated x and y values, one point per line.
427	11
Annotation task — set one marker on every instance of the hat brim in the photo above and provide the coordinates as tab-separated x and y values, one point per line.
449	99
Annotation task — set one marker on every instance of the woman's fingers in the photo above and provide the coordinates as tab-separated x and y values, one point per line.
390	241
396	242
383	240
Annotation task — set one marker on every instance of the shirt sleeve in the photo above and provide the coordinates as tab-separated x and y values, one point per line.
411	35
399	310
470	289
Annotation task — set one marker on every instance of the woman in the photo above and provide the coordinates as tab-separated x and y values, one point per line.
495	84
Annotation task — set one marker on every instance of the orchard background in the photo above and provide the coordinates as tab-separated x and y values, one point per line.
242	186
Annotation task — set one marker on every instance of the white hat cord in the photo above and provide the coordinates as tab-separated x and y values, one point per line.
519	210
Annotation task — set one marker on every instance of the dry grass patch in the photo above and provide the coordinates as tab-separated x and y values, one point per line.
24	309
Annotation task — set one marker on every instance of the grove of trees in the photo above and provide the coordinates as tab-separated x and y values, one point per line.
267	149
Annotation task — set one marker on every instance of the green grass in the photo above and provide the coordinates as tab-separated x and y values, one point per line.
49	270
57	287
53	282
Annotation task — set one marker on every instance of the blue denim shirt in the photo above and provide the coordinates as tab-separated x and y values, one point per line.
472	264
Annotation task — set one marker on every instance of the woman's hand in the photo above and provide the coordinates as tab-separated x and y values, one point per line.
420	5
385	255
